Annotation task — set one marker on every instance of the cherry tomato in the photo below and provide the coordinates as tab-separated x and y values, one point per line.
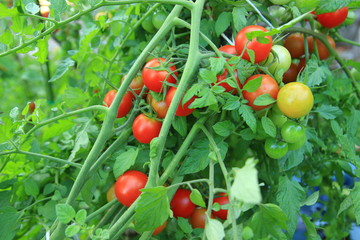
160	107
313	179
154	79
31	107
275	149
136	85
291	74
333	19
128	185
277	117
110	194
228	88
125	104
298	144
198	218
301	64
183	109
292	132
181	204
44	11
295	100
268	86
279	59
294	43
158	19
145	129
223	200
159	229
323	51
230	49
261	50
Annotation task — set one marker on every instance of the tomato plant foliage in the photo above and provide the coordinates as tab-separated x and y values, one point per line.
236	120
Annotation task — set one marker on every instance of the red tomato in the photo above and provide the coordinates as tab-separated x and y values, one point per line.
268	85
153	79
294	43
230	49
125	104
198	218
31	107
333	19
181	204
261	50
136	85
291	74
145	129
227	87
159	229
183	109
301	64
160	107
128	185
222	213
323	51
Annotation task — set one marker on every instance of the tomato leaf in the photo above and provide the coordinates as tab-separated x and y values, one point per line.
204	101
59	7
32	8
152	210
249	192
124	160
326	6
7	12
239	18
311	200
197	159
31	188
10	222
214	230
253	85
224	128
72	230
328	112
251	55
291	159
207	75
311	231
263	100
180	125
81	216
222	23
232	102
345	205
65	213
268	126
355	196
217	65
247	114
62	68
196	198
184	225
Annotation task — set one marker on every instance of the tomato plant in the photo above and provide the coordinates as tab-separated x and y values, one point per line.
125	104
145	128
128	185
181	204
243	45
333	19
183	109
198	218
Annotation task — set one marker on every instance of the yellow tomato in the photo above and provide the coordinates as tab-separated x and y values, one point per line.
110	194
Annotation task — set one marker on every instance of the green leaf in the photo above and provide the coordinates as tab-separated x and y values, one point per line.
72	230
249	192
263	100
311	200
197	159
268	126
180	125
355	196
217	65
326	6
59	7
196	198
65	213
214	229
31	187
336	128
62	68
222	23
194	90
224	128
10	222
246	112
85	45
48	210
232	103
7	12
204	101
152	210
246	69
239	18
345	204
253	85
290	195
32	8
124	160
291	159
7	37
328	112
207	75
311	231
184	225
81	216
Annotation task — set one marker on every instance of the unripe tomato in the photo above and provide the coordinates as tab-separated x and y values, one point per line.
223	200
125	104
295	100
230	49
154	79
159	229
333	19
198	218
277	117
145	129
158	19
292	132
291	74
183	109
298	144
136	85
279	59
323	51
242	44
275	149
110	194
313	179
294	43
160	107
228	88
181	204
355	74
128	185
147	25
268	86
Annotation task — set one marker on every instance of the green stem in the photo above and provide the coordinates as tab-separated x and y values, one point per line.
39	17
189	182
48	85
128	214
259	12
102	209
345	40
211	192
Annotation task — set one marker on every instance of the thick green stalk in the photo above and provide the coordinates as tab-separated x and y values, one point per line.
102	209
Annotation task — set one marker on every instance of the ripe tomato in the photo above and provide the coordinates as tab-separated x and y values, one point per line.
160	107
145	129
292	132
261	50
154	79
223	200
268	86
128	185
125	104
198	218
230	49
291	74
181	204
279	59
275	149
301	64
228	88
31	107
110	194
295	100
136	85
183	109
158	19
323	52
159	229
295	44
333	19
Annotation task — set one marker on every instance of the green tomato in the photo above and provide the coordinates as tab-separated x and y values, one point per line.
278	118
298	144
275	149
148	25
278	59
280	2
292	132
313	179
158	19
260	132
351	17
355	74
306	5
